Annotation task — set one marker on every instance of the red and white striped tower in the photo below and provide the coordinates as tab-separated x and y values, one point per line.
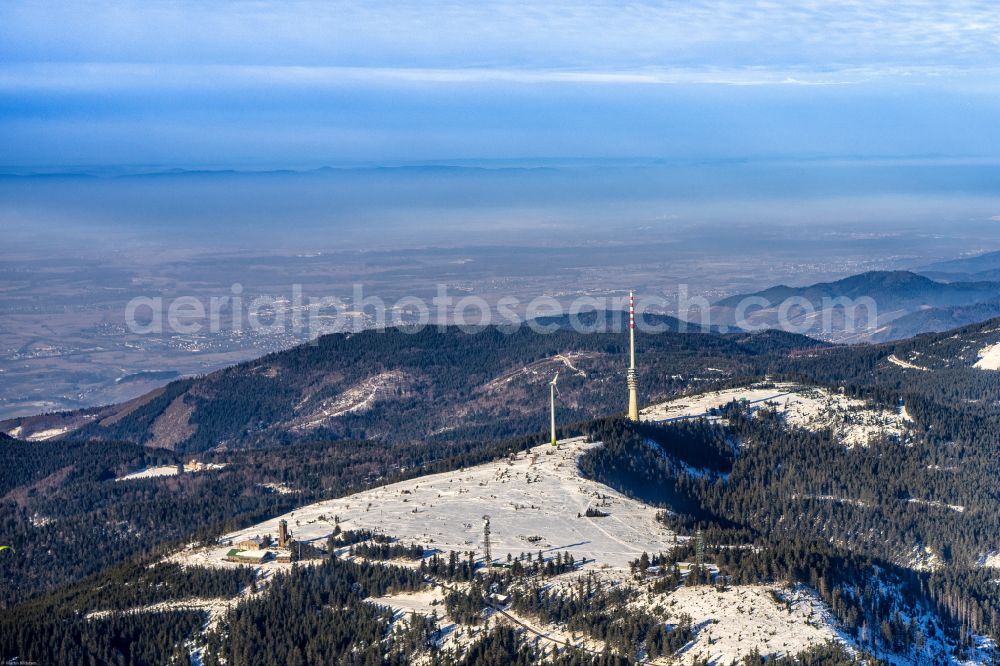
633	381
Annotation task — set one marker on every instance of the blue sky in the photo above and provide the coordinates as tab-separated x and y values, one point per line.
300	84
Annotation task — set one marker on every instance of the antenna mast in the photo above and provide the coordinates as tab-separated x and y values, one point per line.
633	380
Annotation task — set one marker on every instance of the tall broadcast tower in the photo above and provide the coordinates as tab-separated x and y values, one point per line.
552	405
633	380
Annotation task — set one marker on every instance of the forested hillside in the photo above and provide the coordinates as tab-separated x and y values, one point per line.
434	385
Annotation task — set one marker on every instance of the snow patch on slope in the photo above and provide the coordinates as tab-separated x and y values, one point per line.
856	422
743	618
989	358
151	473
358	398
895	360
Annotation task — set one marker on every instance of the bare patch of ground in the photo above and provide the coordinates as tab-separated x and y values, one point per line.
173	426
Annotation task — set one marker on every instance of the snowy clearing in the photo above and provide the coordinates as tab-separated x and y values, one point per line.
358	398
533	502
425	602
895	360
540	371
730	624
854	421
989	358
733	623
939	505
190	467
990	560
214	605
151	473
43	435
279	488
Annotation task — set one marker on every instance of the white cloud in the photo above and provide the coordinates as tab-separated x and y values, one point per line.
791	35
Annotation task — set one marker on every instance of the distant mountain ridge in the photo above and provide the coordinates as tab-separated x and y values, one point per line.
888	286
150	172
978	267
907	304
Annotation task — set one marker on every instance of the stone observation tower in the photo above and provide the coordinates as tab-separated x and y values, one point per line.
282	533
487	551
633	380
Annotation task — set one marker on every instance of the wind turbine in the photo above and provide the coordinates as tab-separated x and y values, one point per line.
552	405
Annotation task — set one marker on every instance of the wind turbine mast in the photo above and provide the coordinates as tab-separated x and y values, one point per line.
552	406
633	380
